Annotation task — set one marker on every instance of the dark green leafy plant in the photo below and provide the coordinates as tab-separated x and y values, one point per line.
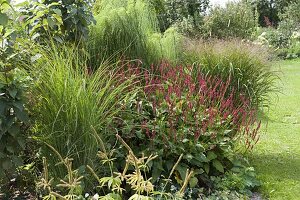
13	116
179	113
64	20
174	12
240	178
269	11
13	120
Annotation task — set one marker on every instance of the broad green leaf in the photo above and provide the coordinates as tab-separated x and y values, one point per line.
201	157
21	142
211	155
218	165
182	169
14	130
3	19
51	22
10	149
12	92
157	170
22	115
8	33
200	147
19	105
7	164
188	157
206	168
57	11
58	18
193	182
3	107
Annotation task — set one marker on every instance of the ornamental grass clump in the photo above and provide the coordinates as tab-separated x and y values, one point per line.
68	100
179	112
247	65
129	29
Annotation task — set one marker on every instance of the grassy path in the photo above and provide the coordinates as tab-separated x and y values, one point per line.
277	155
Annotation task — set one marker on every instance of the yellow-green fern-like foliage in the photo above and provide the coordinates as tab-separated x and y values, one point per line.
129	29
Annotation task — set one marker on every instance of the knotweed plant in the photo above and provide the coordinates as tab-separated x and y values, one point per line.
179	112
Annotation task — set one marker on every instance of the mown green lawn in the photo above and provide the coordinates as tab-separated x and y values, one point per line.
276	158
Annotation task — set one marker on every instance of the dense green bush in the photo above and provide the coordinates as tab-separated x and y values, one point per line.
63	20
13	121
179	113
183	123
235	20
70	101
245	64
284	39
129	29
181	13
269	11
131	181
291	17
13	116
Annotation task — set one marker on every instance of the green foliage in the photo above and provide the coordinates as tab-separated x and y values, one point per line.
127	183
184	125
235	20
245	64
130	180
285	39
269	11
13	120
13	116
176	12
240	178
69	99
290	17
182	114
67	19
129	29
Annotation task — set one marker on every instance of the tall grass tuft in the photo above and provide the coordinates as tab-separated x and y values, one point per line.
71	101
248	66
129	28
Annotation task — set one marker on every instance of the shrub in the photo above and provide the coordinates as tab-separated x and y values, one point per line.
64	20
179	12
129	29
270	10
290	18
235	20
247	66
285	38
274	38
13	115
13	121
180	113
69	100
131	182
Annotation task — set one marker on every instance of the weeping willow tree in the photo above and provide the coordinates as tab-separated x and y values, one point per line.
129	29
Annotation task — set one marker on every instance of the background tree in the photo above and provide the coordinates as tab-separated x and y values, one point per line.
269	10
173	11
